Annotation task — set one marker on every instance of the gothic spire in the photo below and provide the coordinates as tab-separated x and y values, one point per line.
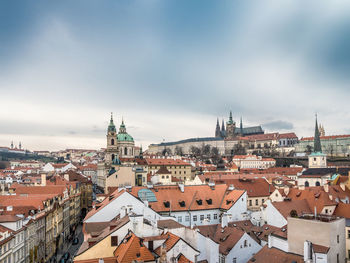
223	126
230	120
217	129
241	125
317	140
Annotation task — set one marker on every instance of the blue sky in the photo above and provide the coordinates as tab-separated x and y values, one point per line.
170	68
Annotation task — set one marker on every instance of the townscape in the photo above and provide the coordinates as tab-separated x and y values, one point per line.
243	195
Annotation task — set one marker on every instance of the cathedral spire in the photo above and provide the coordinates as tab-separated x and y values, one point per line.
217	129
317	140
241	125
230	120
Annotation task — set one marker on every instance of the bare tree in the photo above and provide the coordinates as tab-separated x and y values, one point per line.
195	151
178	150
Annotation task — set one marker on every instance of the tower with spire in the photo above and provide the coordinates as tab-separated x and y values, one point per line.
317	159
217	129
112	149
230	127
223	130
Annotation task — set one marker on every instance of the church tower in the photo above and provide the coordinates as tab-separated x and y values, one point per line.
223	131
217	129
230	127
112	150
317	159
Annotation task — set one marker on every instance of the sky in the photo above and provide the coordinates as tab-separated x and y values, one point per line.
170	68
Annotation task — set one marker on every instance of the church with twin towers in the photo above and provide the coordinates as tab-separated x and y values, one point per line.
225	138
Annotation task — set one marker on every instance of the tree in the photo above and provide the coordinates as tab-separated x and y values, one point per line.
178	150
205	151
308	149
238	149
344	150
195	151
215	156
166	151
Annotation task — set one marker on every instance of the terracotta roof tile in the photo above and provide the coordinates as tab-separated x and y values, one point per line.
274	255
132	248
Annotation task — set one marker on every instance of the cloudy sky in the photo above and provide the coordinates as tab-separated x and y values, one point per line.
170	68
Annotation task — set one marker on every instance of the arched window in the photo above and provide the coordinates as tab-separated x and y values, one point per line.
306	184
125	151
318	183
113	157
112	142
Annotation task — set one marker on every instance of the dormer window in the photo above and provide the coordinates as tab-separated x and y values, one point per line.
199	201
209	201
166	204
182	203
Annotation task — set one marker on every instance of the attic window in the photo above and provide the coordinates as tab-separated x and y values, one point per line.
228	202
167	204
182	203
199	201
209	201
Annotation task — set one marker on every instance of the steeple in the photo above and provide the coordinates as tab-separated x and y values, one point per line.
217	129
122	128
223	128
230	120
317	140
111	126
241	125
12	145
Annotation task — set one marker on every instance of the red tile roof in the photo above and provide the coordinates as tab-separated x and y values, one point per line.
226	237
274	255
132	248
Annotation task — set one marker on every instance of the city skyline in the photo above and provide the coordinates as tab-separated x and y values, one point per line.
169	69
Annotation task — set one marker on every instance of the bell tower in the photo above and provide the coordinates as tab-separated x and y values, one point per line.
112	149
230	127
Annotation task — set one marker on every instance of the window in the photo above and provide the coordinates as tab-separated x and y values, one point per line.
179	219
187	218
326	211
162	176
216	217
250	202
245	243
262	200
202	217
349	235
338	239
194	218
221	259
112	142
337	258
208	217
234	260
256	201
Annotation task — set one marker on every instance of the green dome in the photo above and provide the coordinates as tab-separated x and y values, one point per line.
124	137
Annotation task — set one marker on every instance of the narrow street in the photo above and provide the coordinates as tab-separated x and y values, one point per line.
69	247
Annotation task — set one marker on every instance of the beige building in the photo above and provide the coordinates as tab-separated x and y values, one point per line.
325	231
178	168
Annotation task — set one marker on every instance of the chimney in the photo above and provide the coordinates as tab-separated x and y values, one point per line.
66	177
342	186
326	188
43	179
224	220
182	187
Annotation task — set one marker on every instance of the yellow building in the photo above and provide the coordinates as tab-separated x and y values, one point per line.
178	168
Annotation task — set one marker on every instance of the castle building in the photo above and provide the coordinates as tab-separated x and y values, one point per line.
224	140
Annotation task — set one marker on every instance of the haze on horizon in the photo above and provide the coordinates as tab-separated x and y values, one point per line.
170	68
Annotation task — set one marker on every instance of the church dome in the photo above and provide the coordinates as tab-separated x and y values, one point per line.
124	137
